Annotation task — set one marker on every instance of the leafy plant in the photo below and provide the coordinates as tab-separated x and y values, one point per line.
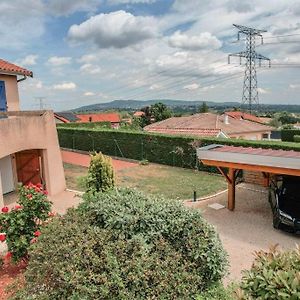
20	226
274	275
124	245
297	138
100	176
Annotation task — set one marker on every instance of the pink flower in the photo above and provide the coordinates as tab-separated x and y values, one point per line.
5	209
2	237
45	192
39	185
37	233
51	214
29	196
18	207
34	240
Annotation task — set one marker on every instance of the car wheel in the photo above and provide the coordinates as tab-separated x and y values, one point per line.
276	222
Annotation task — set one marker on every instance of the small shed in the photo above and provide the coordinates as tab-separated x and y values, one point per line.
230	159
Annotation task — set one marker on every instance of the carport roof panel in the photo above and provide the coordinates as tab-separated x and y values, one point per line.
251	156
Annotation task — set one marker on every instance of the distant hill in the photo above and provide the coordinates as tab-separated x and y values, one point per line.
180	105
138	104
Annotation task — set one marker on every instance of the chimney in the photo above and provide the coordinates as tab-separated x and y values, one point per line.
226	119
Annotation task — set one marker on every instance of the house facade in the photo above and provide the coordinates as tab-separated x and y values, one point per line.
29	149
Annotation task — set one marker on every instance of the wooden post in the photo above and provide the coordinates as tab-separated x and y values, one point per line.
231	189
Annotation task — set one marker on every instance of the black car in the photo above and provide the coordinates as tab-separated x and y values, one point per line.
284	197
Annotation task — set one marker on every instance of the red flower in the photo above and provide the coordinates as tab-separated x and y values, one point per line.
2	237
37	233
29	196
5	209
39	185
37	190
8	255
34	240
45	192
18	207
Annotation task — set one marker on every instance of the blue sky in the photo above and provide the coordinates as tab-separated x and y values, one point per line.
91	51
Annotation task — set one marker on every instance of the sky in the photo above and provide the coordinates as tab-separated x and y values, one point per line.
93	51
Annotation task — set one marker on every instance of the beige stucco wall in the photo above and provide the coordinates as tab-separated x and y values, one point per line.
250	136
12	93
35	132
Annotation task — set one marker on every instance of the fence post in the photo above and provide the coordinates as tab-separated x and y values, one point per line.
142	148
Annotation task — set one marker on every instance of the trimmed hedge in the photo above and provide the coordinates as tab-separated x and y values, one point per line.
163	149
287	135
297	138
84	125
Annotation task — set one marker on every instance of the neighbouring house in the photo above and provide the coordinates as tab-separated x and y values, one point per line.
138	114
65	117
113	118
212	125
29	149
240	115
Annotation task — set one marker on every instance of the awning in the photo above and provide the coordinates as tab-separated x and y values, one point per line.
267	161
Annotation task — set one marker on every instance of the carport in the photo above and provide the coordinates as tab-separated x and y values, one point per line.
230	160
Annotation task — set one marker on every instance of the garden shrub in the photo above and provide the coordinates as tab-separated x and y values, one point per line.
124	245
297	138
217	292
274	275
288	134
20	226
100	176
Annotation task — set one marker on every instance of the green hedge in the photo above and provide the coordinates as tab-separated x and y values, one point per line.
297	138
163	149
287	135
88	125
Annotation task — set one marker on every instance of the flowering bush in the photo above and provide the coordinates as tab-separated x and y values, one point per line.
20	226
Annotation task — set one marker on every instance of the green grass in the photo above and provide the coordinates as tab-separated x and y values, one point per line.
171	182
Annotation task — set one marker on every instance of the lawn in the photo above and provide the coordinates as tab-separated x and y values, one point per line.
172	182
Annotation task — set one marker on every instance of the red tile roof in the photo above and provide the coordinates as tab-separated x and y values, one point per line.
105	117
258	151
7	67
189	131
244	116
208	121
138	114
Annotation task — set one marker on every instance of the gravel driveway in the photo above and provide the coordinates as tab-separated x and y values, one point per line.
247	229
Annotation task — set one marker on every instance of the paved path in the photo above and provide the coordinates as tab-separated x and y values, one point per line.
81	159
247	229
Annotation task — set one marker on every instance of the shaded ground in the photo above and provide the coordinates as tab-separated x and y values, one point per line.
172	182
247	229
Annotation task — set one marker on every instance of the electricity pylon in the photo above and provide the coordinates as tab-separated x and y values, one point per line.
250	93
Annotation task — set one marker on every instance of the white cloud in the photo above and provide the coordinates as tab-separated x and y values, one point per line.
263	91
294	86
65	86
67	7
57	61
88	94
87	58
115	2
192	86
117	29
90	69
195	42
28	60
154	87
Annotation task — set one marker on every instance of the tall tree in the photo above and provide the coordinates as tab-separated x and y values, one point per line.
203	108
160	111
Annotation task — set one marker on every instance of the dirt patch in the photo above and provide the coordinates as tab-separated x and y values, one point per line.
9	274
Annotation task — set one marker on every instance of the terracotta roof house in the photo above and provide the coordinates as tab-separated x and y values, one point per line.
113	118
211	125
239	115
138	114
65	117
31	151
